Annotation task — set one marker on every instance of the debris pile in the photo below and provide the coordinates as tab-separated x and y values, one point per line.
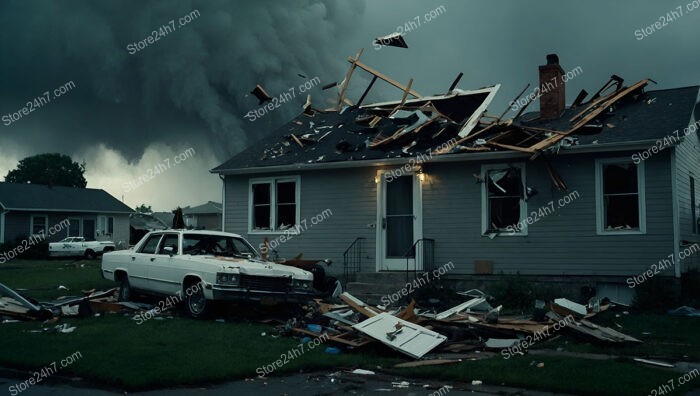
472	325
15	306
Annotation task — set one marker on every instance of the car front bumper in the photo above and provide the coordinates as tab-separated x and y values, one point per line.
231	293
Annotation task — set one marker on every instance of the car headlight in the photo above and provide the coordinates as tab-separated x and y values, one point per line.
302	284
227	279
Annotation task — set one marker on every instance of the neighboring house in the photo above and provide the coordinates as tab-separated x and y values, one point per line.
625	208
141	224
164	217
31	209
206	216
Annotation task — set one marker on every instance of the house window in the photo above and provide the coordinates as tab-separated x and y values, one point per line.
620	196
39	224
74	228
693	206
503	191
105	226
274	204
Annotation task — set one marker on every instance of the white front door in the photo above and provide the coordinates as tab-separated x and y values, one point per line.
399	222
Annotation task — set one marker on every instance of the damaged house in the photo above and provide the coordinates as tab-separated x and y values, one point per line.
587	194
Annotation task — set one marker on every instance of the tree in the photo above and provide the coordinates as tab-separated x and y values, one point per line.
143	209
50	169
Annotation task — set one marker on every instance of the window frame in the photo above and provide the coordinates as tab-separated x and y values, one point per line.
46	224
600	201
273	181
485	212
99	231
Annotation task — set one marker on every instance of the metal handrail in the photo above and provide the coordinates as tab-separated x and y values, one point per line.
413	249
357	256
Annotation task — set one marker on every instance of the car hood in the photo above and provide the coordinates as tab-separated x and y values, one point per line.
259	267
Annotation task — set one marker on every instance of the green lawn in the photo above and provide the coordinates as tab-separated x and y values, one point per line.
117	351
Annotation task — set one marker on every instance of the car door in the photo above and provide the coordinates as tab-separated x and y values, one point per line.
141	260
163	274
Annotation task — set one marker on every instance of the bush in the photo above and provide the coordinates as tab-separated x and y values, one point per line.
657	294
690	288
513	292
31	249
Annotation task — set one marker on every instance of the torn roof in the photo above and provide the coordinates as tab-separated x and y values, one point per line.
456	123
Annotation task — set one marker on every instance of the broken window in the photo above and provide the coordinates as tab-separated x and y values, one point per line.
274	205
504	190
261	206
286	205
620	196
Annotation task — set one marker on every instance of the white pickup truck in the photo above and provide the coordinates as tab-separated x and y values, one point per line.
77	246
200	267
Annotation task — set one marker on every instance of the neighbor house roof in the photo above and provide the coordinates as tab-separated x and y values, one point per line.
145	221
35	197
207	208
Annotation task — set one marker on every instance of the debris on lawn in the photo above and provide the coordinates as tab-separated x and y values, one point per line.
16	306
443	336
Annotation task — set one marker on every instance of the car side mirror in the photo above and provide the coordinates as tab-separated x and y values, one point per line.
169	250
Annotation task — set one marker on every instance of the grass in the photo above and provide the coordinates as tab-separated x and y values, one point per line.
668	337
118	352
569	375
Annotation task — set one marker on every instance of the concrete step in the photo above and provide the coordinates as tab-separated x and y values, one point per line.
374	288
382	277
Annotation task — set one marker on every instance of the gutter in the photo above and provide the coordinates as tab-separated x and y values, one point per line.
497	155
223	202
676	215
68	210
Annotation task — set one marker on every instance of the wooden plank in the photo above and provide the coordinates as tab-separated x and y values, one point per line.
383	77
348	76
296	139
358	305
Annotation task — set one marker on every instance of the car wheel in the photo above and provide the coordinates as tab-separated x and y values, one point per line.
197	304
124	290
90	254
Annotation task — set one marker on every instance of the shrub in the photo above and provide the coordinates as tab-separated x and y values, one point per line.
656	294
30	251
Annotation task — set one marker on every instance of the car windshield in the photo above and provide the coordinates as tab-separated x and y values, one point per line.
217	245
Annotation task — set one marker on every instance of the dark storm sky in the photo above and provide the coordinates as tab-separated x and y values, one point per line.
128	112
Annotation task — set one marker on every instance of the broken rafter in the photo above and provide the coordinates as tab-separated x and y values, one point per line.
348	75
368	69
590	116
296	139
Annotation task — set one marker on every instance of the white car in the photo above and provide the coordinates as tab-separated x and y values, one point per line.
199	267
77	246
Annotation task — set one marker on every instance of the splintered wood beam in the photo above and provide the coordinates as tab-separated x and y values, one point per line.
368	69
514	101
364	94
296	139
348	75
403	98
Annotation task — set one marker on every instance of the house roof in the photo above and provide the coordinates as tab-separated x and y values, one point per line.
145	221
339	138
207	208
164	217
35	197
655	115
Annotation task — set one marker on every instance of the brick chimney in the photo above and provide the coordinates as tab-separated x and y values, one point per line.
552	88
